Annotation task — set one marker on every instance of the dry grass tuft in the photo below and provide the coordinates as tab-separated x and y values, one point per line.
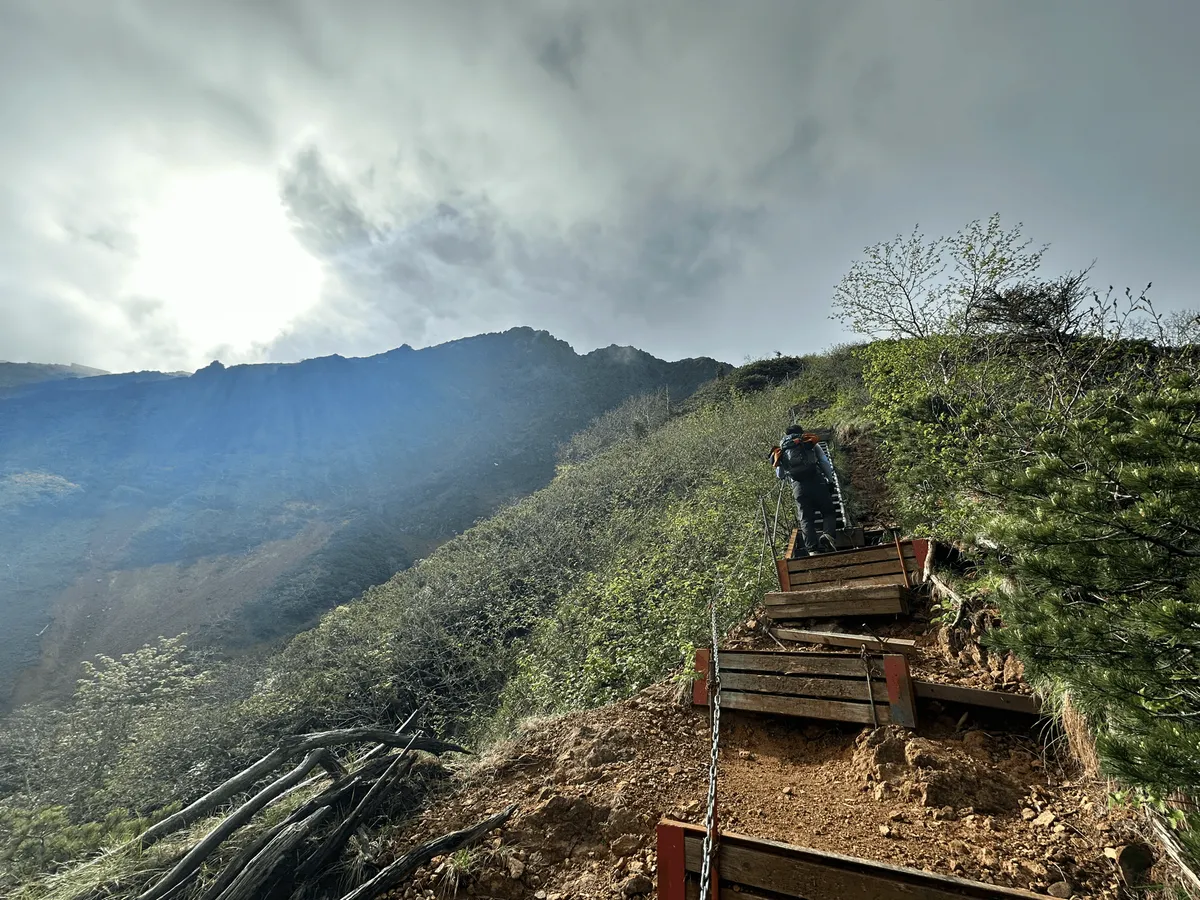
1079	739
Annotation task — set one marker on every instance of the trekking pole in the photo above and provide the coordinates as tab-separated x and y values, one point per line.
778	503
768	534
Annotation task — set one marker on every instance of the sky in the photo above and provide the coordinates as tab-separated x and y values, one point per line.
271	180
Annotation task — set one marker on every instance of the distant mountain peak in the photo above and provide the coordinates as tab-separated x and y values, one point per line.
16	375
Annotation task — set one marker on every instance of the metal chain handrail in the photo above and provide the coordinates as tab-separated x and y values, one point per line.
714	691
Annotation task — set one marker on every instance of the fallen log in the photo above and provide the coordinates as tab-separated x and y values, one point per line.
198	809
248	883
185	870
304	743
397	871
332	846
330	797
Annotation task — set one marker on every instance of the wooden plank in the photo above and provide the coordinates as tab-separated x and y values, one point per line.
852	608
785	580
900	695
672	867
861	609
836	639
835	596
846	665
820	589
856	557
800	872
850	574
801	686
806	707
700	685
1018	703
791	547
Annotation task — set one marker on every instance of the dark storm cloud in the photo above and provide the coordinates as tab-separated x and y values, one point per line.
691	177
327	217
561	53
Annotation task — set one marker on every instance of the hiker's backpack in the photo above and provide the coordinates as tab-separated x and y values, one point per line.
798	457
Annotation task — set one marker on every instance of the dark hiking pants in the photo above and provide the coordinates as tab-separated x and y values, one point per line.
813	499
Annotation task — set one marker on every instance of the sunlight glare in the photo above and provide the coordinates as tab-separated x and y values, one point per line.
220	254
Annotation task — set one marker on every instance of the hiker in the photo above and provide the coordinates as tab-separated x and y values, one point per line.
800	459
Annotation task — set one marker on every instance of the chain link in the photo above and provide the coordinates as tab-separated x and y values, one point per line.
866	661
714	693
710	815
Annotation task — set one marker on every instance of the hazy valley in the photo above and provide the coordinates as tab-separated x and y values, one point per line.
237	504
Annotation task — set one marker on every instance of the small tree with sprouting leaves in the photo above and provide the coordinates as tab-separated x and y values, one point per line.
916	287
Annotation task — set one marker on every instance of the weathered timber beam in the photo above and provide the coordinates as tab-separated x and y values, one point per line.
305	742
295	746
836	639
198	809
185	870
393	874
249	881
333	844
331	797
951	693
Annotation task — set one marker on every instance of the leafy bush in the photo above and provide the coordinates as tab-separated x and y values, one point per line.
1103	530
1054	430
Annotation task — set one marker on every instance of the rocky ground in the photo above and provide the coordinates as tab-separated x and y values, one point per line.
964	797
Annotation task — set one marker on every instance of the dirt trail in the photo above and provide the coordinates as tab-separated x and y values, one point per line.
970	801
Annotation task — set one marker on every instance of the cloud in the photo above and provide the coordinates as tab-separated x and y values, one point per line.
691	177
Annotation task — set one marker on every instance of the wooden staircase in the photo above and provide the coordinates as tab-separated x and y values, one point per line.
873	686
863	581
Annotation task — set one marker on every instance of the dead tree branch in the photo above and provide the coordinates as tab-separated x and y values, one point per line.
393	874
185	870
249	881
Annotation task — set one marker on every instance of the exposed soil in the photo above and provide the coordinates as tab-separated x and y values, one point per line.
968	799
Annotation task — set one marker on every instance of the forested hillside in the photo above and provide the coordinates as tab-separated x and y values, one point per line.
1050	434
240	503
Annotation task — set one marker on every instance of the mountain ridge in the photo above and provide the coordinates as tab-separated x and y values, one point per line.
297	484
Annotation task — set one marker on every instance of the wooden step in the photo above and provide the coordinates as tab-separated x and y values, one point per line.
839	686
807	708
845	665
849	573
836	639
803	686
851	601
756	868
886	563
951	693
835	593
856	557
869	581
